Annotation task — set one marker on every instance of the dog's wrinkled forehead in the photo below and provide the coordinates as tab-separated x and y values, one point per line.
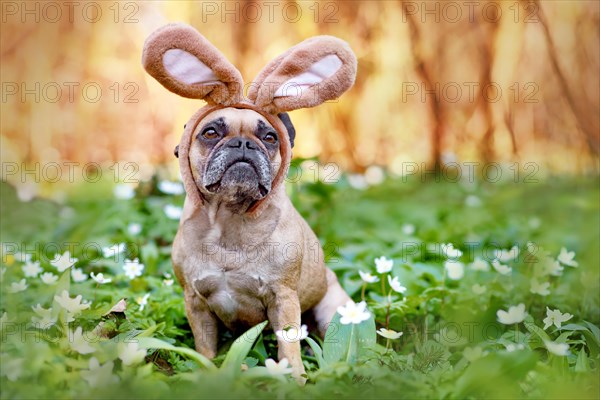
234	121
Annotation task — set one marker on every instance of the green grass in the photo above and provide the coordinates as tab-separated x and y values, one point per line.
452	345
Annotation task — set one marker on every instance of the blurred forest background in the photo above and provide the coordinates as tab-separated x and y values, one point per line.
509	81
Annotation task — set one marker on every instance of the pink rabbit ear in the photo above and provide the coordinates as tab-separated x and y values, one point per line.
184	62
318	69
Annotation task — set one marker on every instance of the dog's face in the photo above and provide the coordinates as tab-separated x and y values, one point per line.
234	156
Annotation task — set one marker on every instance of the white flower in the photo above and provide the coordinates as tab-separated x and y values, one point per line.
559	349
503	255
552	267
12	368
357	181
49	278
389	334
515	315
514	346
130	353
280	368
133	268
555	318
374	175
100	278
292	334
16	287
167	281
123	192
134	228
353	313
567	258
78	275
115	249
539	288
449	251
32	269
73	305
44	318
532	247
169	187
455	269
383	264
143	301
473	353
367	277
501	268
23	257
478	289
479	264
62	262
534	222
172	212
545	265
408	229
472	201
79	342
395	284
98	375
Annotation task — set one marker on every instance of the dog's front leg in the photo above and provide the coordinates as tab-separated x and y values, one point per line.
203	323
284	312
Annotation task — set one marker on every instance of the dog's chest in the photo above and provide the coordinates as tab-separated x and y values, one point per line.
237	297
233	264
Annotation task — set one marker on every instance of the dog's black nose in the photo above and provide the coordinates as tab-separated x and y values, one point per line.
242	143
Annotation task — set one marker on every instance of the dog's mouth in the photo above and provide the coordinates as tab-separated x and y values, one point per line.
240	178
215	188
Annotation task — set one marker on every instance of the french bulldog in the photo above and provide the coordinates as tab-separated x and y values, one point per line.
243	254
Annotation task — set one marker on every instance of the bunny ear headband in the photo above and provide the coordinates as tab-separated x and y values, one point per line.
185	62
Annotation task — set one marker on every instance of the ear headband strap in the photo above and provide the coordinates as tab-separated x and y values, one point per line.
285	148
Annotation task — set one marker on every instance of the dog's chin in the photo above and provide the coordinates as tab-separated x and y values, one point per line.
240	183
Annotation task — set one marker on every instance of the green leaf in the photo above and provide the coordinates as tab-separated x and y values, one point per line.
590	332
255	354
153	343
594	329
348	342
149	255
241	347
251	362
563	337
64	282
533	328
149	331
574	327
318	352
582	364
259	348
431	355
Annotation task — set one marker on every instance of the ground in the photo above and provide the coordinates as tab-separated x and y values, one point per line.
461	338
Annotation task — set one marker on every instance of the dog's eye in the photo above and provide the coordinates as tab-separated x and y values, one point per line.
270	138
210	133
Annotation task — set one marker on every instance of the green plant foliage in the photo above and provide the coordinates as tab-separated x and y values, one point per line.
240	348
451	322
348	342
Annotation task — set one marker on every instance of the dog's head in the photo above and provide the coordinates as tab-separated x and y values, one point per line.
237	148
235	155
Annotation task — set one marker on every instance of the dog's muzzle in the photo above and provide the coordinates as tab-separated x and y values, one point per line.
239	165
